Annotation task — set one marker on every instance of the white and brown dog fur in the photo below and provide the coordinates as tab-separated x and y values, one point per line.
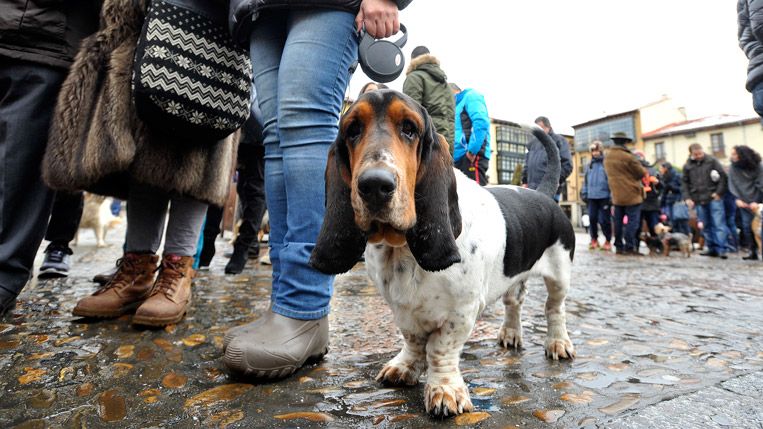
96	214
439	247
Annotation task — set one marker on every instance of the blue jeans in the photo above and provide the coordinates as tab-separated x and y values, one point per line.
730	209
715	232
599	214
301	62
626	236
757	99
652	218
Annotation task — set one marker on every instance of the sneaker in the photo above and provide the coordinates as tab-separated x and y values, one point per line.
607	246
593	245
56	263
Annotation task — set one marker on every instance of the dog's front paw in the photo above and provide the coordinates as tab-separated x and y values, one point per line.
510	337
395	374
445	400
559	348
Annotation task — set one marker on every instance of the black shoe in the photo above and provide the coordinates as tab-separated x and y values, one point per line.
106	276
56	263
237	261
711	253
751	257
723	256
207	253
7	301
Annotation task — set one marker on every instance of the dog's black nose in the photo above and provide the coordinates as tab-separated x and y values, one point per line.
376	186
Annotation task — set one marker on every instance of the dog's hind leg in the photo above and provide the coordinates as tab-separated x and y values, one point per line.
405	368
446	394
557	279
100	232
510	334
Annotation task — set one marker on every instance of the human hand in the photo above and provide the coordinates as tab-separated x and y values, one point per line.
379	16
741	204
715	196
690	204
470	157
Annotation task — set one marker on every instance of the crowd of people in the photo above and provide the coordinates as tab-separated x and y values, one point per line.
67	123
624	192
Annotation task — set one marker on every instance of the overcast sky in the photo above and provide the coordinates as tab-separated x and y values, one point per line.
574	61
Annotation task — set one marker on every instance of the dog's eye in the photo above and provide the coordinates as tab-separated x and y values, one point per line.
409	130
353	132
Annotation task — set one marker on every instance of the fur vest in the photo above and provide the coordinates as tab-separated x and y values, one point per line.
98	144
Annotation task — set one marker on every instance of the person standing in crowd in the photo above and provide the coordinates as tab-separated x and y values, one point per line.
144	166
750	36
62	228
471	148
678	217
650	208
703	185
730	212
596	193
746	182
427	83
251	190
301	59
625	173
38	41
536	160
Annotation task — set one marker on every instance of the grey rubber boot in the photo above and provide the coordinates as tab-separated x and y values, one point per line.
277	346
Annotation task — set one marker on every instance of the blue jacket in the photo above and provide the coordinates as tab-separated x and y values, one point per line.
596	185
671	187
472	104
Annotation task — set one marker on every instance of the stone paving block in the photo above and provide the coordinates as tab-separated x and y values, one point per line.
708	408
749	385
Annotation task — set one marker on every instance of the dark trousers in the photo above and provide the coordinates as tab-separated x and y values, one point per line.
65	217
251	193
626	236
747	232
652	218
27	97
599	214
476	170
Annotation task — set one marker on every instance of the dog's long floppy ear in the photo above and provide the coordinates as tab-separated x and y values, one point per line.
438	219
340	242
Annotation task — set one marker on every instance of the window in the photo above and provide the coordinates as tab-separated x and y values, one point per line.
511	142
659	151
583	164
602	131
719	149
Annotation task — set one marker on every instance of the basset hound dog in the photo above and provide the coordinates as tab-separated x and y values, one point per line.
438	246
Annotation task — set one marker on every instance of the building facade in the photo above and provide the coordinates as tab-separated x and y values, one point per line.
716	134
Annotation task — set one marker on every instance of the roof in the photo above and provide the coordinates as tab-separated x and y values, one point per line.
694	125
606	118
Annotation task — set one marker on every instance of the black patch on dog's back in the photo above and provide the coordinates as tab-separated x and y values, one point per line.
534	222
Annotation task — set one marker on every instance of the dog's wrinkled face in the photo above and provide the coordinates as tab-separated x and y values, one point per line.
383	139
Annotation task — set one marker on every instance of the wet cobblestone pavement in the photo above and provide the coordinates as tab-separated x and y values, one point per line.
661	342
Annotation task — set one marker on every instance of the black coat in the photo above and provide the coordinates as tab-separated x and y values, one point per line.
46	32
697	183
750	35
243	12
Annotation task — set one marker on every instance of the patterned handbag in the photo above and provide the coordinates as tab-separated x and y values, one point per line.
190	80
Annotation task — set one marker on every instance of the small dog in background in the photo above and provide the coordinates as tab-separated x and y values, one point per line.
670	239
653	243
757	220
97	215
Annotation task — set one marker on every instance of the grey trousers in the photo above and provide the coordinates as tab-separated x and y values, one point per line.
27	97
146	215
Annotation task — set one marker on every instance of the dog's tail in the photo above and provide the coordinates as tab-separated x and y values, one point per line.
550	182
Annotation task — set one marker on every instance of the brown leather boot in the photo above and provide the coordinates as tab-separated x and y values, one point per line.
129	287
171	295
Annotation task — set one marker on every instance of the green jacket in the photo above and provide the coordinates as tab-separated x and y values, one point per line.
427	83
